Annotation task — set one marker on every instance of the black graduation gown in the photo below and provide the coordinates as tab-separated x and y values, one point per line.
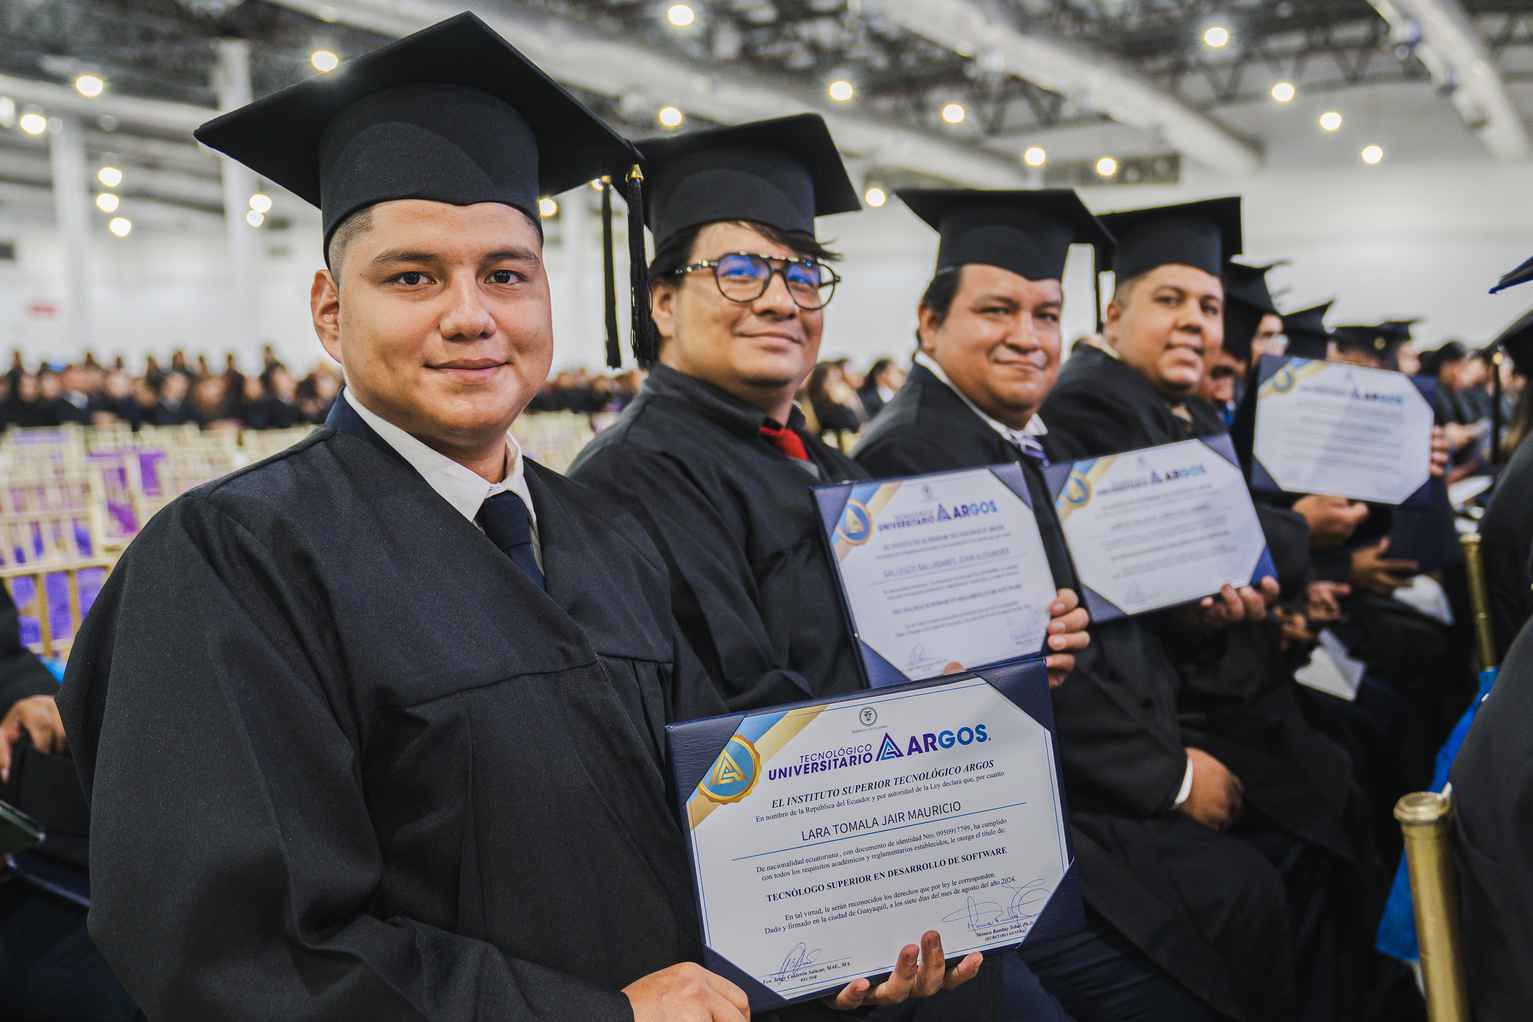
1238	699
753	590
1203	906
1506	547
736	522
345	760
21	673
1493	813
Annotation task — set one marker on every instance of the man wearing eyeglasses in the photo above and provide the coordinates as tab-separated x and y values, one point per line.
714	459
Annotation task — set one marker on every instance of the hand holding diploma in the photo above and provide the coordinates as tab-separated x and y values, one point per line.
1231	605
1067	635
918	972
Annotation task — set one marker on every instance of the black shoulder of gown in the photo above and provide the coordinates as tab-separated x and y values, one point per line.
345	760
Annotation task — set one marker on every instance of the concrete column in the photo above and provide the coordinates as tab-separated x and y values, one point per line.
71	210
242	330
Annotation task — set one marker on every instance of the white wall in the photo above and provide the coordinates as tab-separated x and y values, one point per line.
1424	234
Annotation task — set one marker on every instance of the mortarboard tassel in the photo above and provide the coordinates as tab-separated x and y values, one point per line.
609	283
638	270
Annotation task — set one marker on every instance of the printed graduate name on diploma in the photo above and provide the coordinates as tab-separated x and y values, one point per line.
1343	430
1160	526
944	572
841	832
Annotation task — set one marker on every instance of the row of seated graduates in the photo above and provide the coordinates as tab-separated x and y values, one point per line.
87	393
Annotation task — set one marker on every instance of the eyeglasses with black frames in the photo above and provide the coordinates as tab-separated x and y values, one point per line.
743	277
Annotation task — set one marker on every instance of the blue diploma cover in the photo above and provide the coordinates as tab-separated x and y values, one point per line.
1341	430
826	835
1158	526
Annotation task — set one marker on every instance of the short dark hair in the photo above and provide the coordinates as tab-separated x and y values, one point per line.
347	231
1122	288
938	296
677	250
358	223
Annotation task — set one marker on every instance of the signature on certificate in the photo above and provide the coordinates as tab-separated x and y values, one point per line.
1019	903
798	959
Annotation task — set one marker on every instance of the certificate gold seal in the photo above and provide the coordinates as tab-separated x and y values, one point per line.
734	774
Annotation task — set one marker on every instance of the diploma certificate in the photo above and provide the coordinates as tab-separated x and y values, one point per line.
1160	526
1342	430
941	572
826	836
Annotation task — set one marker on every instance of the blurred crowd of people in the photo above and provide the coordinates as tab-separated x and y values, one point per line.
184	390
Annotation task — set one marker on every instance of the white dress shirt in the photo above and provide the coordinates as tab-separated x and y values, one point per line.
461	487
1023	438
1018	438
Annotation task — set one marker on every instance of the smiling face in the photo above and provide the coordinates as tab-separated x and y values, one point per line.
760	351
1165	324
441	320
999	340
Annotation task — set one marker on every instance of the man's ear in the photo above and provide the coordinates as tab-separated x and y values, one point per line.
662	310
325	310
927	325
1111	321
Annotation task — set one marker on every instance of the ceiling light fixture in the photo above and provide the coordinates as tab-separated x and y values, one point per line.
1107	167
841	91
1216	37
108	202
1330	121
1035	156
254	217
547	208
109	176
1284	92
671	117
954	113
33	123
1372	154
875	197
121	226
260	202
90	85
324	61
680	15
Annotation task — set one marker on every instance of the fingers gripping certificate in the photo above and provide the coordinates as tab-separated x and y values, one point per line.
1340	429
940	572
1159	526
827	836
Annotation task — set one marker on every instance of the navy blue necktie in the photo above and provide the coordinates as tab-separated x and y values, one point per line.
505	520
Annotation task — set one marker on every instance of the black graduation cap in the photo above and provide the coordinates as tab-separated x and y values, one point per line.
1517	341
1198	234
1246	300
1521	275
452	113
1026	232
782	173
1370	338
1306	332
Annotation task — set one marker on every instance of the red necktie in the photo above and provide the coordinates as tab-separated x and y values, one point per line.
786	441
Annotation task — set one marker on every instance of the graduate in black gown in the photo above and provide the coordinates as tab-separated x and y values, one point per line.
1493	814
1238	698
373	729
1202	906
49	969
714	454
1506	531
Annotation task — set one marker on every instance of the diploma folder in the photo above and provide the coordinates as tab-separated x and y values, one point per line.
1063	475
1249	423
695	747
833	502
